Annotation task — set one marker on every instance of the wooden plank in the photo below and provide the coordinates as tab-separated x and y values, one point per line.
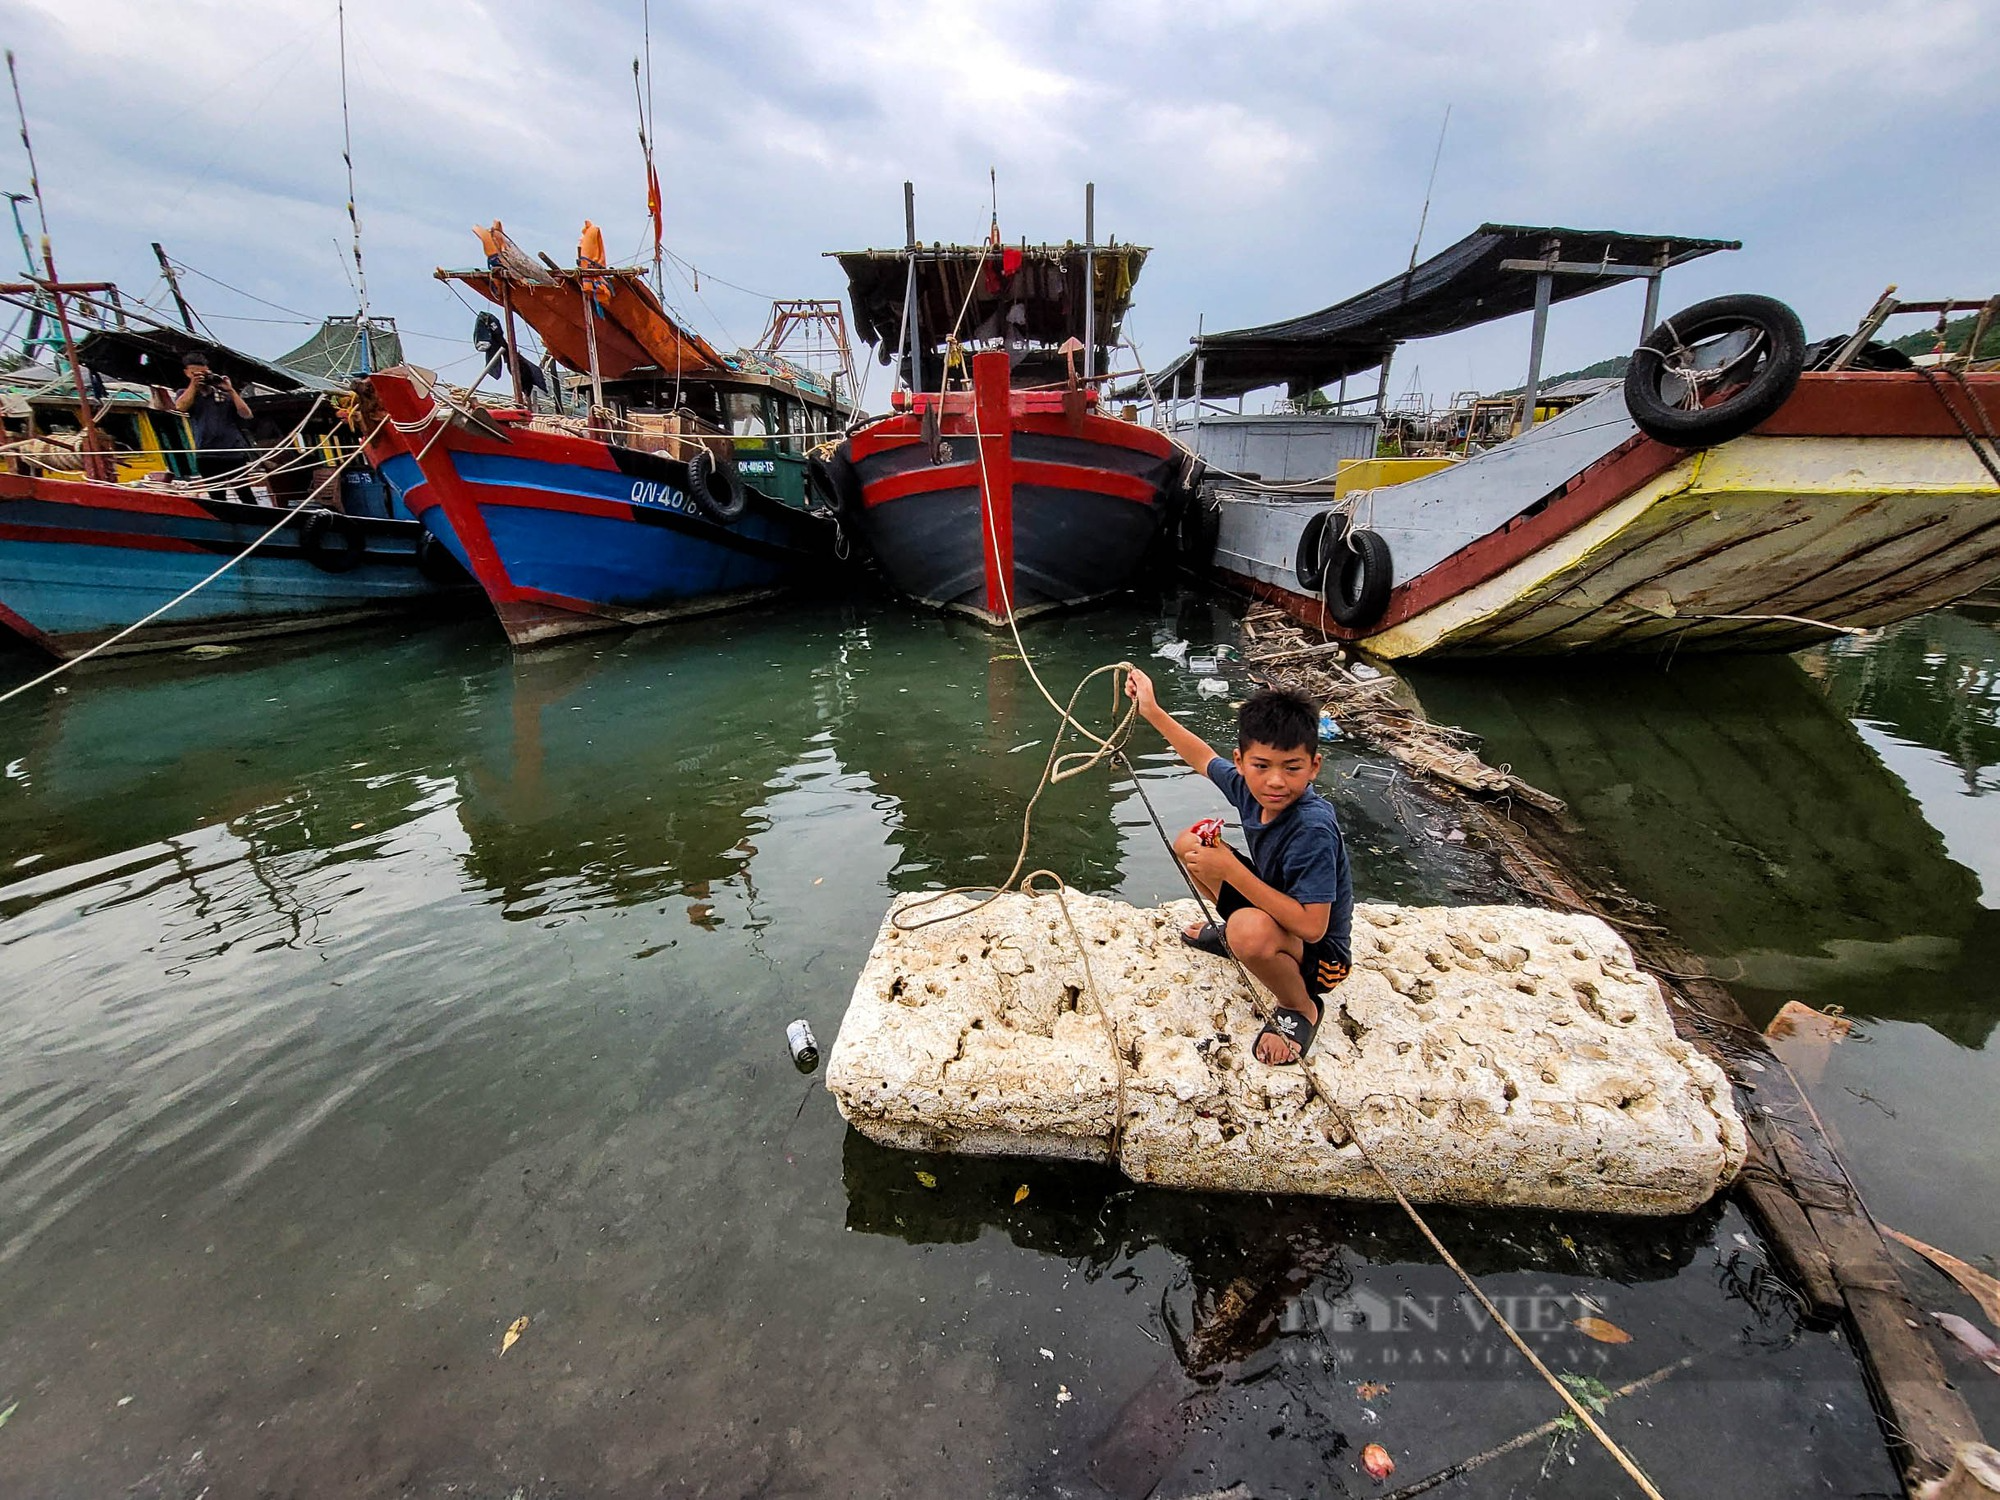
1792	1235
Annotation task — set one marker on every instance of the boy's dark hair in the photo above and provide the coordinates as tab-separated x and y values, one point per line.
1280	718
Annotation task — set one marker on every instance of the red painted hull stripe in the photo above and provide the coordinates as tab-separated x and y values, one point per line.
128	498
901	432
90	537
1883	403
14	621
1049	476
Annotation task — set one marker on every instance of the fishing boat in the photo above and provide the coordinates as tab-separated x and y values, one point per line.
674	484
999	484
103	519
1737	490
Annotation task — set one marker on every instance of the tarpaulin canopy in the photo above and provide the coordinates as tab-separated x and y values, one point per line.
336	351
634	332
1459	287
973	291
152	356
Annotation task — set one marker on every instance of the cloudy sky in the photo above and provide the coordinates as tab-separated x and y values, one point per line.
1273	155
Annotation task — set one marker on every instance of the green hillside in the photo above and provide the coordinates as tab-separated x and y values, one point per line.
1956	332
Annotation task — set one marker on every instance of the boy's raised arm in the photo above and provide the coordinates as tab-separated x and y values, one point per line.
1188	745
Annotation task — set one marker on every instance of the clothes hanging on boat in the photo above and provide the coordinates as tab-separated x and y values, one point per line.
590	257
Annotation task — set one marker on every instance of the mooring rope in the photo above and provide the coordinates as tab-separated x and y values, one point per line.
110	641
1964	428
1111	748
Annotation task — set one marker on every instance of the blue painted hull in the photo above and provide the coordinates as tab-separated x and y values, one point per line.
568	535
80	561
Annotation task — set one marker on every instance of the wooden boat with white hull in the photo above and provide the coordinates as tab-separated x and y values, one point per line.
1012	491
1739	492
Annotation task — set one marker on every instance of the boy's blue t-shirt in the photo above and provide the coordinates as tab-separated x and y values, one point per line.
1300	852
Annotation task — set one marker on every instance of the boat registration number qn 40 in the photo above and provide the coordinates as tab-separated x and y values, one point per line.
660	496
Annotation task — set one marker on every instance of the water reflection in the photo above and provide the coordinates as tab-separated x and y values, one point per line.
1737	800
1934	682
359	997
608	774
946	723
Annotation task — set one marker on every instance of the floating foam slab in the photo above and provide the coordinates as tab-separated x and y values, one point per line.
1486	1055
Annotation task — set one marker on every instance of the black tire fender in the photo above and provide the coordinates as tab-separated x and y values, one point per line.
716	489
435	562
833	479
1309	564
1200	527
1360	574
332	542
1769	370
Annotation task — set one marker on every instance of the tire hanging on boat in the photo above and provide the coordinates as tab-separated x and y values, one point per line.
1199	524
1309	564
1668	392
716	489
834	481
1357	572
435	562
332	542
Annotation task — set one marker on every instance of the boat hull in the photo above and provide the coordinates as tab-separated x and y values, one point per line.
1034	506
80	561
568	535
1858	504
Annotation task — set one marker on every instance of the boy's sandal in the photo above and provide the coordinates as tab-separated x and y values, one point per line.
1209	940
1291	1026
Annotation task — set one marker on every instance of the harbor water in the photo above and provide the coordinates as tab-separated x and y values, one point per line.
395	1094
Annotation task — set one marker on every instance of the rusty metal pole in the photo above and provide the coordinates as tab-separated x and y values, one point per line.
513	349
1544	284
96	462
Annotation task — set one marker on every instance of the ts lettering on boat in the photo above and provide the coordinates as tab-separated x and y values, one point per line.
756	466
663	496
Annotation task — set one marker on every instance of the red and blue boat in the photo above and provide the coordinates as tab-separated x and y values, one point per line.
81	560
1013	491
97	535
673	484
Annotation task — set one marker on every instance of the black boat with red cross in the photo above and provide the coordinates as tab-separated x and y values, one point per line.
999	483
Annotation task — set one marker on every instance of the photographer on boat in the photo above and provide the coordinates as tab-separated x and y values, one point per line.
214	409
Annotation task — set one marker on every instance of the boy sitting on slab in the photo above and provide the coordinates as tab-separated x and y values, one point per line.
1288	911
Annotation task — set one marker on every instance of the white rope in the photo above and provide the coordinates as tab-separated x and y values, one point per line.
188	593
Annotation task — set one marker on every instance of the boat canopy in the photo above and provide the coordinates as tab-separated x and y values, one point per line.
1483	277
152	356
973	291
633	331
336	351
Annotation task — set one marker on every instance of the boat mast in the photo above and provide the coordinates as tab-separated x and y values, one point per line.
1089	281
173	285
96	462
353	215
907	334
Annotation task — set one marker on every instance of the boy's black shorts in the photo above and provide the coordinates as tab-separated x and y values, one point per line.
1321	966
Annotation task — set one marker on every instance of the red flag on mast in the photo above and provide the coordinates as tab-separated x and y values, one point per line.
653	204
